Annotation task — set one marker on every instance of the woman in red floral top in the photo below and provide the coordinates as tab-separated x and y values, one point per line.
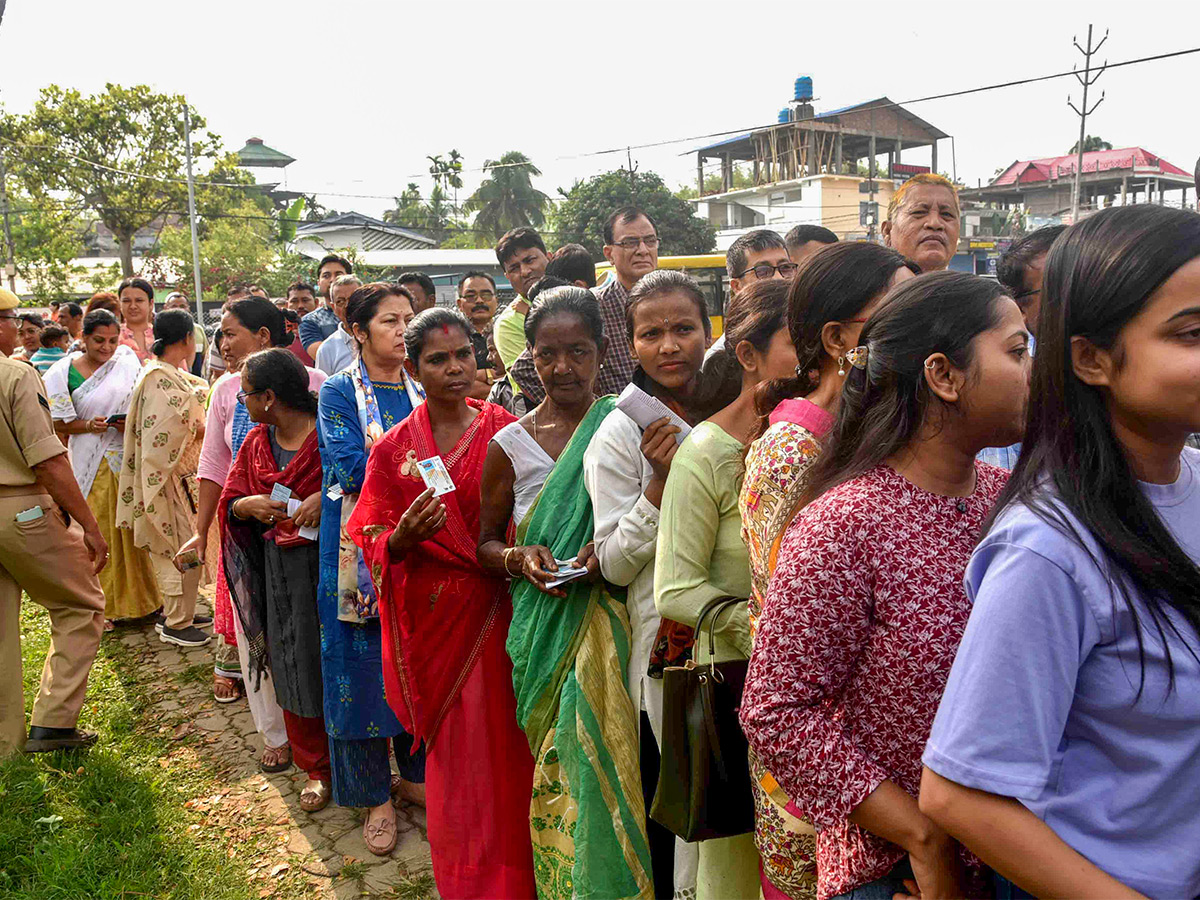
866	606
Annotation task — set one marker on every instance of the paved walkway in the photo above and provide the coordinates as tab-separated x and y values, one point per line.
328	845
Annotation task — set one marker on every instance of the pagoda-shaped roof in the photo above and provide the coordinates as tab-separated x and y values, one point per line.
258	155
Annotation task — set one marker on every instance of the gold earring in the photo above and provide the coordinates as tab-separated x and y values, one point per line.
842	366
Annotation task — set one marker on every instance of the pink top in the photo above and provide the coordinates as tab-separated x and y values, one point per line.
799	411
128	340
863	617
216	454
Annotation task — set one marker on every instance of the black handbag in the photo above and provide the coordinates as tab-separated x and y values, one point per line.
704	773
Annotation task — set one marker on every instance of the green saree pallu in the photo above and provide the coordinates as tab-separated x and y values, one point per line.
587	816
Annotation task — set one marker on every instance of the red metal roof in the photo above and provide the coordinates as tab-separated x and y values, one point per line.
1034	170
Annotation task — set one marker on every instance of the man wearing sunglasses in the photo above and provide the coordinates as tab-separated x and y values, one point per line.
755	256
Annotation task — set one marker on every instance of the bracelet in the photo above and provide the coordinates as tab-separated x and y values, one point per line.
504	556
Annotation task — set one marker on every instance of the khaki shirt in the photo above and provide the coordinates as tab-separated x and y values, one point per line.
27	435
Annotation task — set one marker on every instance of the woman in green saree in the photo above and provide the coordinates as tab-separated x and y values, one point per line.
569	644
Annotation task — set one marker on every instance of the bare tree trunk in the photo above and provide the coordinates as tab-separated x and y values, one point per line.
125	242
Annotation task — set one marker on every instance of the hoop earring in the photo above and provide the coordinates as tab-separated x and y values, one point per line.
842	366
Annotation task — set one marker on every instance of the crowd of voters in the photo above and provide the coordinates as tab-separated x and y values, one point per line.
933	536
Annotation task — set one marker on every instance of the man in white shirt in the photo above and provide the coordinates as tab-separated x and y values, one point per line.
337	351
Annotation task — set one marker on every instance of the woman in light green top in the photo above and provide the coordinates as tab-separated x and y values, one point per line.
701	555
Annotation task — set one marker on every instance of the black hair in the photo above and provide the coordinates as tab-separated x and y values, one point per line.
750	242
427	321
573	262
755	315
885	404
299	285
334	258
280	371
543	284
255	313
521	238
624	216
1099	275
290	316
802	234
422	279
566	300
51	334
141	284
475	273
32	319
1011	266
364	304
663	281
99	318
835	285
72	309
171	326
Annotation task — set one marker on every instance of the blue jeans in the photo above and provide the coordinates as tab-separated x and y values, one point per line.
882	888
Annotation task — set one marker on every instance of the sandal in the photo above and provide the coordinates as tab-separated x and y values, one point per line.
379	834
234	688
315	795
408	791
109	626
276	759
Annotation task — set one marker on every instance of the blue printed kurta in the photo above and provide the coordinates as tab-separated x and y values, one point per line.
351	654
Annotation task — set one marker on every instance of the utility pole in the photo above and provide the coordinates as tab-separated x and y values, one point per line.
187	138
10	265
631	170
1087	79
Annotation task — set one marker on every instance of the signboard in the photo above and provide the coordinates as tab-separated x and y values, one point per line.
983	245
868	213
904	170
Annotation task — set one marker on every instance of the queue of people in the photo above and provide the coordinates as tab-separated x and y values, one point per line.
958	565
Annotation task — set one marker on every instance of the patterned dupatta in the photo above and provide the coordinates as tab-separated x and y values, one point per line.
254	472
437	606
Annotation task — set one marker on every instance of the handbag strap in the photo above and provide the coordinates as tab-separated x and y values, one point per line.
706	688
714	607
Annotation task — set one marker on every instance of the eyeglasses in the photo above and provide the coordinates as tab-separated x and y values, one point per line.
482	295
9	317
766	270
631	244
242	395
1025	295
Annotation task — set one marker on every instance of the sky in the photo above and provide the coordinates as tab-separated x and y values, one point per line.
361	91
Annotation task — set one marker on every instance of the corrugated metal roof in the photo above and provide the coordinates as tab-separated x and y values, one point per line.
1031	171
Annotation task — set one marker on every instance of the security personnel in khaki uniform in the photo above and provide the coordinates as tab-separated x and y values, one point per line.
53	561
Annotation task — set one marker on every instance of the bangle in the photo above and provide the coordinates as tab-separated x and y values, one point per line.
504	556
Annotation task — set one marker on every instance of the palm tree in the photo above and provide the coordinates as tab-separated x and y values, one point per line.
507	198
1090	143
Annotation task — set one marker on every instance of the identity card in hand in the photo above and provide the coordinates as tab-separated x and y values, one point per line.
434	474
281	493
567	571
646	410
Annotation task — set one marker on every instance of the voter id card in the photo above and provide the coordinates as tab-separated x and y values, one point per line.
281	493
30	515
434	474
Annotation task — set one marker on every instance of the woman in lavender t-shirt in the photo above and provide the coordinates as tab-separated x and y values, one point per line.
1066	750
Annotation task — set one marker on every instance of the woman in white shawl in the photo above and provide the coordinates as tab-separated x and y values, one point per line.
89	395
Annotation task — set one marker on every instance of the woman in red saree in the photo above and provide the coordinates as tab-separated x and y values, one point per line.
446	672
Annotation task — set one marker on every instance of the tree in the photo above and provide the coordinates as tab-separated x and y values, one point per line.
1090	143
712	183
408	210
119	153
238	247
47	236
587	205
507	198
447	173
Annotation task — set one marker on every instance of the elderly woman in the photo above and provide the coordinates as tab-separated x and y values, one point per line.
89	395
158	492
358	405
923	221
136	297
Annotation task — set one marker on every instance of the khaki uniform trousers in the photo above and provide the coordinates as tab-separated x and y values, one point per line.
49	560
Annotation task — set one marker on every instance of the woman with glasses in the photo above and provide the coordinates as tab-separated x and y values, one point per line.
358	406
269	512
89	394
248	325
827	305
158	491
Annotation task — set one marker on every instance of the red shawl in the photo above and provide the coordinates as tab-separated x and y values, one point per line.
436	605
254	472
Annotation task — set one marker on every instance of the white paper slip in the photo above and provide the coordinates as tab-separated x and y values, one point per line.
281	492
308	532
646	410
567	571
434	474
335	492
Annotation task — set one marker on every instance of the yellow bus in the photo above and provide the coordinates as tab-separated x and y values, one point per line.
708	269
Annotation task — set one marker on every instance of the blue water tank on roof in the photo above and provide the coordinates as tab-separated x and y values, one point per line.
803	89
785	116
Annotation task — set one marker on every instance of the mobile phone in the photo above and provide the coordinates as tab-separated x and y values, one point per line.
189	559
115	418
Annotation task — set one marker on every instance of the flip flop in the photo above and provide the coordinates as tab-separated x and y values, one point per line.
239	689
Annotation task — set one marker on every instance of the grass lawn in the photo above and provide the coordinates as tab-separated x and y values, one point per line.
112	822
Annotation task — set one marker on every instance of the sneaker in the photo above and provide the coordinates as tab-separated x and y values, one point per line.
159	620
198	621
184	637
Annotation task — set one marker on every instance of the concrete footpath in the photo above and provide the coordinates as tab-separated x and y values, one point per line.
327	845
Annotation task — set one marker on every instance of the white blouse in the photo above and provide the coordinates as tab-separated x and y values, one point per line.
531	464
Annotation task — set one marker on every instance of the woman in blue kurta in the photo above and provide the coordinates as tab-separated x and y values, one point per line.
357	406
